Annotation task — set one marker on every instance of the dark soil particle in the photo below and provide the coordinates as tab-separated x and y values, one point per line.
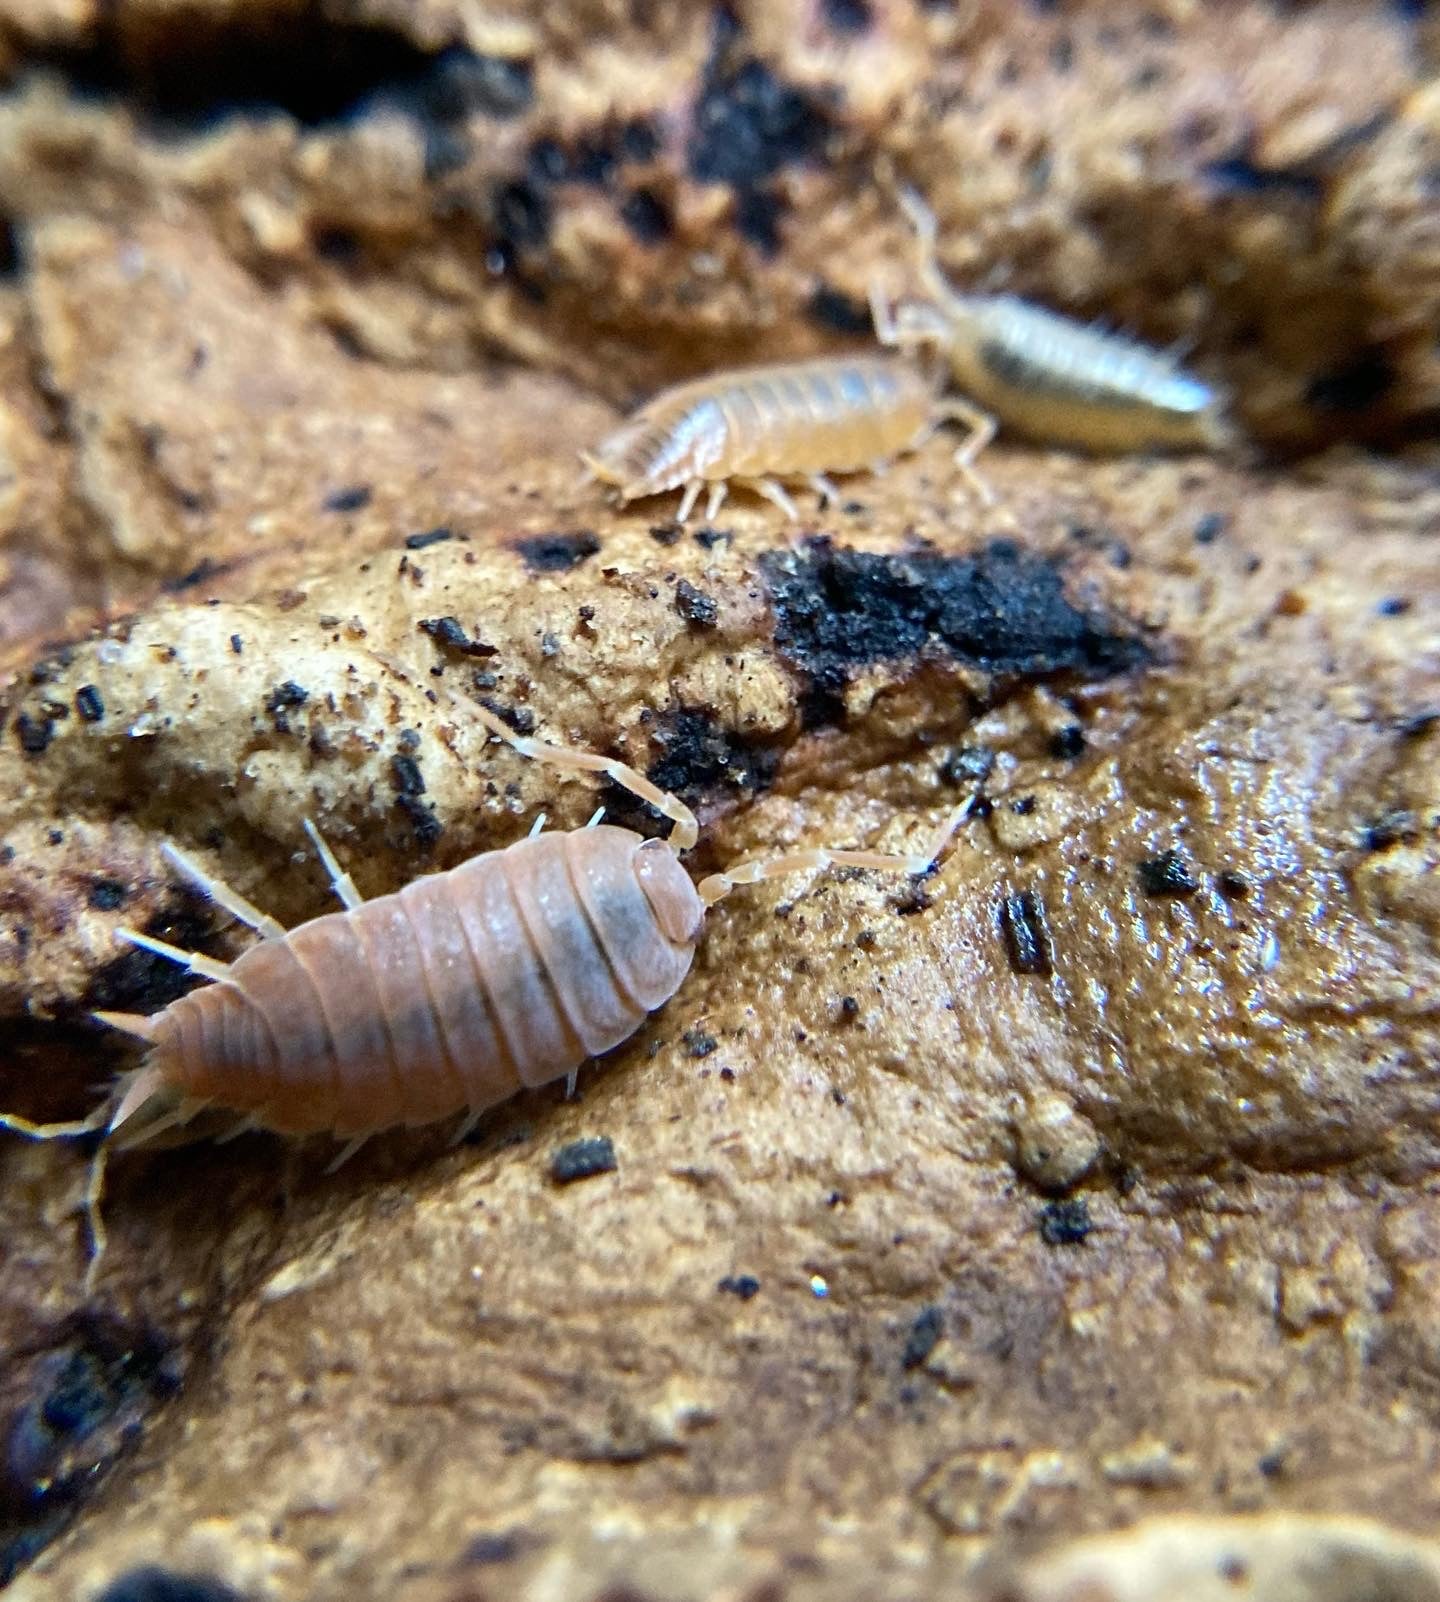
406	776
1233	886
742	1285
352	499
461	82
1355	386
700	760
1068	743
1394	827
203	570
1168	874
107	894
450	632
969	767
838	312
695	606
89	704
520	215
288	694
82	1404
847	17
282	699
758	213
583	1159
749	124
1026	928
913	899
1065	1223
425	826
1210	528
434	536
34	734
556	553
519	718
925	1335
1002	609
493	1547
700	757
151	1584
647	217
698	1043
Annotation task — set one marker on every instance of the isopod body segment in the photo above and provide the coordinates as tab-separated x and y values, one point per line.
754	426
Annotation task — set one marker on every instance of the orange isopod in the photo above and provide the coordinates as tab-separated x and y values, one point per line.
443	998
754	425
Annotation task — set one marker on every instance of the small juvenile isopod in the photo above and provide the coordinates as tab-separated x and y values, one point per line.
756	425
1046	376
442	999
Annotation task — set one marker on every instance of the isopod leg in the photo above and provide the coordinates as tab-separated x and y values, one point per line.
982	428
221	894
718	491
349	1149
537	826
688	499
756	869
825	488
68	1131
686	830
94	1200
207	966
572	1079
467	1123
775	494
340	881
95	1180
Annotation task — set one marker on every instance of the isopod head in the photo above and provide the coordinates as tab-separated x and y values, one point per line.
651	453
673	899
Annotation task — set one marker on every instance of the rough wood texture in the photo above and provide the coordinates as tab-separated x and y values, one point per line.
944	1231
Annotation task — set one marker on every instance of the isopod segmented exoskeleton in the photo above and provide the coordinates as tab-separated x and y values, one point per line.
1046	376
756	425
441	999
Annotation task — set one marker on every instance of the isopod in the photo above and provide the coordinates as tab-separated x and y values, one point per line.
1044	375
444	998
756	425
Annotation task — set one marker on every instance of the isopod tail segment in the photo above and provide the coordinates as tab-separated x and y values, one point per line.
140	1106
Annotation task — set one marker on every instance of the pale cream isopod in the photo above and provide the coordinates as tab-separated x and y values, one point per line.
756	425
1049	377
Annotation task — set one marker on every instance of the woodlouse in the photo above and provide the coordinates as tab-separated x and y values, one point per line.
755	425
446	997
1044	375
